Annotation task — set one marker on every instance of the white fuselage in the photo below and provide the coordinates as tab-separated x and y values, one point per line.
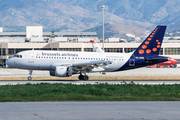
43	60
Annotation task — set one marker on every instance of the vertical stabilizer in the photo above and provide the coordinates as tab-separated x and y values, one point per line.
96	47
152	44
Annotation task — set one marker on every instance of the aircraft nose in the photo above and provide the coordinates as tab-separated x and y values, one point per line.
7	61
175	61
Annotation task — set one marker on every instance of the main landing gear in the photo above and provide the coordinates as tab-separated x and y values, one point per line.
30	73
83	77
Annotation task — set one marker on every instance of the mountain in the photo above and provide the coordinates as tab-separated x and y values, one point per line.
115	30
79	15
153	12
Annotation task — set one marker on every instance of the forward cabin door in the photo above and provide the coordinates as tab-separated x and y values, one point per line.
31	57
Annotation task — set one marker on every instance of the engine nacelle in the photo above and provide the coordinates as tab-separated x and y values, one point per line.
62	71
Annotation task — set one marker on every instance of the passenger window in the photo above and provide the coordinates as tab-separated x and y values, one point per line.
20	56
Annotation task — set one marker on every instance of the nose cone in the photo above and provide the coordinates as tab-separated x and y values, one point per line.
175	61
9	62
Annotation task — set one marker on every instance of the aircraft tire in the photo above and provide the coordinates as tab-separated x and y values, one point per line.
86	78
81	77
29	78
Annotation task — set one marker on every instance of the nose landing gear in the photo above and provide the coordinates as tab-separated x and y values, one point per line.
30	73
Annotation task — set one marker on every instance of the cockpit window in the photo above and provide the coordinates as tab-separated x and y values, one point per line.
18	56
15	56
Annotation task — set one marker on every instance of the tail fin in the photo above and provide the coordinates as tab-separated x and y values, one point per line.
152	44
96	47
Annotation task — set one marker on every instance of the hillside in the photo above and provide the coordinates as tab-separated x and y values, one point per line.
79	15
115	30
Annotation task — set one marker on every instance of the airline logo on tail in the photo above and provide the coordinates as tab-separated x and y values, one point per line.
152	44
147	53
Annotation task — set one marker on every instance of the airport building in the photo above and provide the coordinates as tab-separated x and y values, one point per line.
34	38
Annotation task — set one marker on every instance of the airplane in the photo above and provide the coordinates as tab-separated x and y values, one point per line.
169	63
68	63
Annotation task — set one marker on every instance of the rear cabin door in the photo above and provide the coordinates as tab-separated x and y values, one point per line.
132	61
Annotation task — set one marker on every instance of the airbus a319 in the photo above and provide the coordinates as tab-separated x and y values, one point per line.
66	63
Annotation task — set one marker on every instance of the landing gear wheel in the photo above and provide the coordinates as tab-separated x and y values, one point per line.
30	73
29	78
86	77
81	77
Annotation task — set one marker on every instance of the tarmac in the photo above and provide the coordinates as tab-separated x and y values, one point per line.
90	111
134	72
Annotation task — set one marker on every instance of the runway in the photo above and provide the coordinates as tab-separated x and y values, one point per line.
133	72
146	72
90	111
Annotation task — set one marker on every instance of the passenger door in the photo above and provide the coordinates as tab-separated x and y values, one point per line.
132	61
31	57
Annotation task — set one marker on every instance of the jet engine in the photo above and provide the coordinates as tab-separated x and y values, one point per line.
62	71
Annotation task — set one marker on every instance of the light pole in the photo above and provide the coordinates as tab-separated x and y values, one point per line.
103	7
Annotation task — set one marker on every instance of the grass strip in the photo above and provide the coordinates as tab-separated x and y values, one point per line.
89	92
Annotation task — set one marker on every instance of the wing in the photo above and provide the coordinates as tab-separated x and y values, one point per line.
90	65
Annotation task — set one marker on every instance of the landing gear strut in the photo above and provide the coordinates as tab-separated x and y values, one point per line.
83	77
30	73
